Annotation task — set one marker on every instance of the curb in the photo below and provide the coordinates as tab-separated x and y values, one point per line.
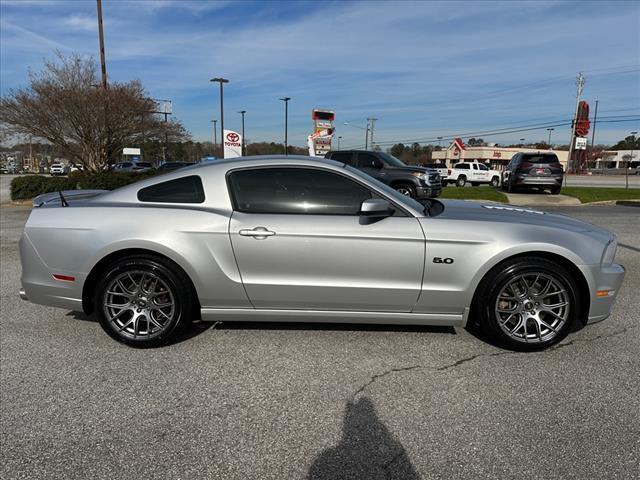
628	203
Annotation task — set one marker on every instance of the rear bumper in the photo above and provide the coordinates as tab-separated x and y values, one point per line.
551	180
605	278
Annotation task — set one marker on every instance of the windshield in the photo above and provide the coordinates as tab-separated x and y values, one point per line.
391	160
390	192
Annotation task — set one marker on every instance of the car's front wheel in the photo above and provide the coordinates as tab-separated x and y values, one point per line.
143	301
406	189
528	303
495	181
461	181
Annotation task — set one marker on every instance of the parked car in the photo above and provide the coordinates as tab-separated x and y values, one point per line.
76	167
537	170
57	169
170	166
137	167
412	181
301	239
475	173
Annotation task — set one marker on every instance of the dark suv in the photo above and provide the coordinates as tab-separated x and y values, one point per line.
413	181
538	170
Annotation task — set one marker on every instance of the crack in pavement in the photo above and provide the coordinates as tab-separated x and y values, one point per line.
457	363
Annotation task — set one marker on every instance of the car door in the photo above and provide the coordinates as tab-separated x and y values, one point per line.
482	173
300	243
372	165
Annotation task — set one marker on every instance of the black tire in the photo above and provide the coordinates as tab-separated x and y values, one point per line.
175	286
461	181
406	189
555	190
495	182
486	302
510	188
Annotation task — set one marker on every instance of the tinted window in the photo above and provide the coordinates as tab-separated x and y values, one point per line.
181	190
344	157
367	160
464	166
482	167
296	190
540	158
144	164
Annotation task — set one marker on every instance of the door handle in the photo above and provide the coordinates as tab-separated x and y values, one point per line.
259	233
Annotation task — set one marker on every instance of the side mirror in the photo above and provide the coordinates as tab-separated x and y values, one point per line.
376	207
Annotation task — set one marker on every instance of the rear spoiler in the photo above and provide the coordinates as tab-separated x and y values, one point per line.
65	196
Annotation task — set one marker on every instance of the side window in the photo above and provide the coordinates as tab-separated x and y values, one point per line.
181	190
463	166
481	166
367	160
295	190
344	157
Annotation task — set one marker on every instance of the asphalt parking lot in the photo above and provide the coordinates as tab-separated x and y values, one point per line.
273	401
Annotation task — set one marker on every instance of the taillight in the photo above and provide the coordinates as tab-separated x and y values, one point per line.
449	172
64	278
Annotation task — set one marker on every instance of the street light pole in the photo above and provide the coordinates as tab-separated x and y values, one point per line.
222	81
244	148
215	136
626	167
339	138
286	124
550	130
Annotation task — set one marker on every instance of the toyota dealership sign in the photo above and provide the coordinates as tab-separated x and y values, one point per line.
232	144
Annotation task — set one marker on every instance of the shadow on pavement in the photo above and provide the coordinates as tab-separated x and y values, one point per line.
367	450
193	330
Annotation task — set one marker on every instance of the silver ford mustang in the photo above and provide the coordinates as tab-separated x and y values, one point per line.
302	239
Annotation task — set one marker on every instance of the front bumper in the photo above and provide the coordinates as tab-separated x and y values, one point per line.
428	192
605	278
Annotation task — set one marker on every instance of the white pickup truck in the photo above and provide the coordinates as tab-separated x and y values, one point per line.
474	173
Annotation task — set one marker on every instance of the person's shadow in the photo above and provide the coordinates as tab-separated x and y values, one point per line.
367	450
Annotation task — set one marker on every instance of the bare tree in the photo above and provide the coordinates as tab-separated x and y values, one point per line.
66	106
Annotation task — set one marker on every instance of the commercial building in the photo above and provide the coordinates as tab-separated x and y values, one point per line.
496	157
617	159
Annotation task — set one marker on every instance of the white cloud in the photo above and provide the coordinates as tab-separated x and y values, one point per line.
81	22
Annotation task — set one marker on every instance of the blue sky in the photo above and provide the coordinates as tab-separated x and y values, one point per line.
424	69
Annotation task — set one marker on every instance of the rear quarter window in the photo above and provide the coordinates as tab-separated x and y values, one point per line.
181	190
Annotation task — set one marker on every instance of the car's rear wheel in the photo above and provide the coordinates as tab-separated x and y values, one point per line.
143	301
406	189
528	303
495	181
461	181
555	190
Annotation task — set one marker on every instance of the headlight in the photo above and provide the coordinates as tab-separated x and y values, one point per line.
423	176
609	252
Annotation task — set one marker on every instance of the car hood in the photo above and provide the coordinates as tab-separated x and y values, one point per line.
497	212
409	169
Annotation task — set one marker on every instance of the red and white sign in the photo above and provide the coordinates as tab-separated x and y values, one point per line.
232	144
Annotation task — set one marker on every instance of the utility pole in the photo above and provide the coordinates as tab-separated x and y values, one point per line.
222	81
339	138
627	164
549	141
215	137
373	122
243	147
286	123
580	79
103	65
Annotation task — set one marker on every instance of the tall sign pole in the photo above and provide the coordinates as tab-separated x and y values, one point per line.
579	86
222	81
103	65
372	120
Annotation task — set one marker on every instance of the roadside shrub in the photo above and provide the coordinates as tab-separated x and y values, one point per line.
29	186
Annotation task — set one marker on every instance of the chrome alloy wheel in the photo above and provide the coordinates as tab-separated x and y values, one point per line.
404	191
138	304
532	308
